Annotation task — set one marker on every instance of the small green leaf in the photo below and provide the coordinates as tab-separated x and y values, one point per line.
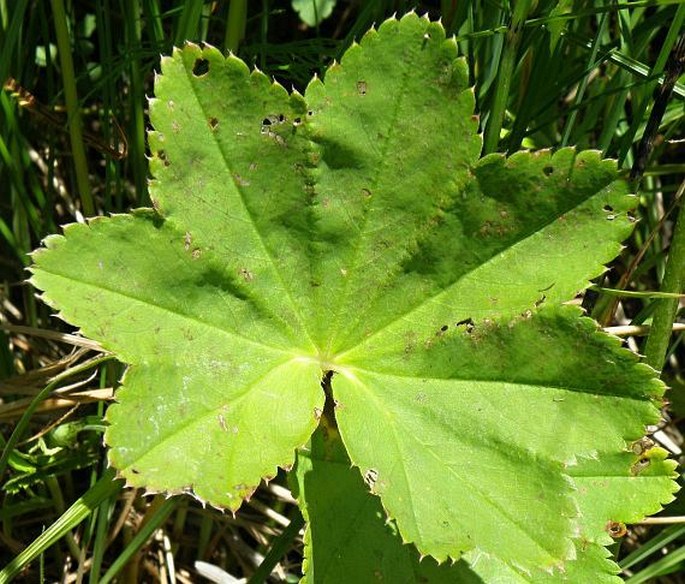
313	12
557	23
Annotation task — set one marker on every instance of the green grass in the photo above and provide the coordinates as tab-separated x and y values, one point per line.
546	74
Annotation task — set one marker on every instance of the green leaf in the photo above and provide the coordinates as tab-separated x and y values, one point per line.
557	23
198	411
313	12
619	488
440	432
354	233
347	533
590	564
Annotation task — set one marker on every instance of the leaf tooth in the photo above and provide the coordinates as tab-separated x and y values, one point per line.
208	50
166	60
190	45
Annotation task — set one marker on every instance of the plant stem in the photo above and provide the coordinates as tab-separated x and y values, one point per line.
75	123
570	123
653	80
235	27
506	71
279	548
666	309
137	100
23	422
106	487
158	515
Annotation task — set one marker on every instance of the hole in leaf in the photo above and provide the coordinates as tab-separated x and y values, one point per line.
297	122
548	170
200	67
608	208
213	123
161	154
540	301
639	466
274	119
370	477
467	323
616	529
444	328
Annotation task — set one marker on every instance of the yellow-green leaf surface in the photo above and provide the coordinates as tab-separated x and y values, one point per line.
354	232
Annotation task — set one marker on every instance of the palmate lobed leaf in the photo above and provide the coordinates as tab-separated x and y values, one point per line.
353	230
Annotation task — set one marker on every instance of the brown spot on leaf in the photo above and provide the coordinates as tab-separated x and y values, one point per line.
642	445
639	466
361	88
240	181
213	123
246	274
615	529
